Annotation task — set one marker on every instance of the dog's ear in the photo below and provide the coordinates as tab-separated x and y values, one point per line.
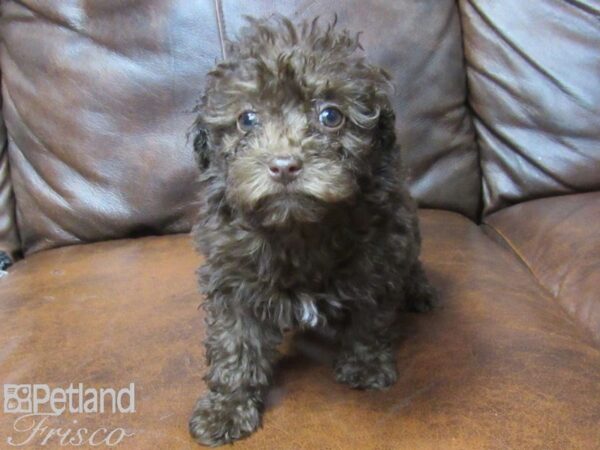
202	147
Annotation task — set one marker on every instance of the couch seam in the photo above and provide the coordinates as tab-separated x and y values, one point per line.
566	313
471	113
518	254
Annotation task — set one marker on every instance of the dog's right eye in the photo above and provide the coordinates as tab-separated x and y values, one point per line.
331	117
247	120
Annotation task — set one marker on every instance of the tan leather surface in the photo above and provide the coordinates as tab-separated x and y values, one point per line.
9	238
499	365
98	99
99	94
559	240
419	44
533	85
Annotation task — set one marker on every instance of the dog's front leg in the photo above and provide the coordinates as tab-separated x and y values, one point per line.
240	352
366	359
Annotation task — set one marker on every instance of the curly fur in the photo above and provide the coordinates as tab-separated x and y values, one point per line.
337	248
5	260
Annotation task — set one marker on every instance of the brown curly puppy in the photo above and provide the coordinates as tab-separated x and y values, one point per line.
305	220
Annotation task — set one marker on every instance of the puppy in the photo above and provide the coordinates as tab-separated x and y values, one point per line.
305	221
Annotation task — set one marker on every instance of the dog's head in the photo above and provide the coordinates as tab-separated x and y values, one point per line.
294	122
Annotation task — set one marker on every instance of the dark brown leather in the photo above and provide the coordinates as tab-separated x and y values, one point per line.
99	94
498	365
533	82
98	99
419	43
558	238
9	238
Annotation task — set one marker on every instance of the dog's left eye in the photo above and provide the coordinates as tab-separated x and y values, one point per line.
247	120
331	117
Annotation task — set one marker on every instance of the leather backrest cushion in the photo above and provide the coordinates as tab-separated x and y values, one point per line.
9	239
534	80
98	102
99	98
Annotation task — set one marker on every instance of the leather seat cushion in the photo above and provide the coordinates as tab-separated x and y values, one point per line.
559	240
497	365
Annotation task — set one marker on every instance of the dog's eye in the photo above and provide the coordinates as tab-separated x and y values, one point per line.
331	117
247	120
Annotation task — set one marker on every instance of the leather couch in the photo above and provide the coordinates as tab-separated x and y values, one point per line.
498	114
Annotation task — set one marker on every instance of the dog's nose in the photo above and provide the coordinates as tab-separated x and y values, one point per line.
285	168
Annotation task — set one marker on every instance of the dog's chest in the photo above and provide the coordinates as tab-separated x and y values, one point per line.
304	274
306	285
301	261
307	314
312	310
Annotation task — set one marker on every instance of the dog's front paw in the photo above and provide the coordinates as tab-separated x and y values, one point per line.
377	372
220	419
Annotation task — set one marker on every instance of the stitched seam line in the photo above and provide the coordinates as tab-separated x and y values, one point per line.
519	255
580	326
